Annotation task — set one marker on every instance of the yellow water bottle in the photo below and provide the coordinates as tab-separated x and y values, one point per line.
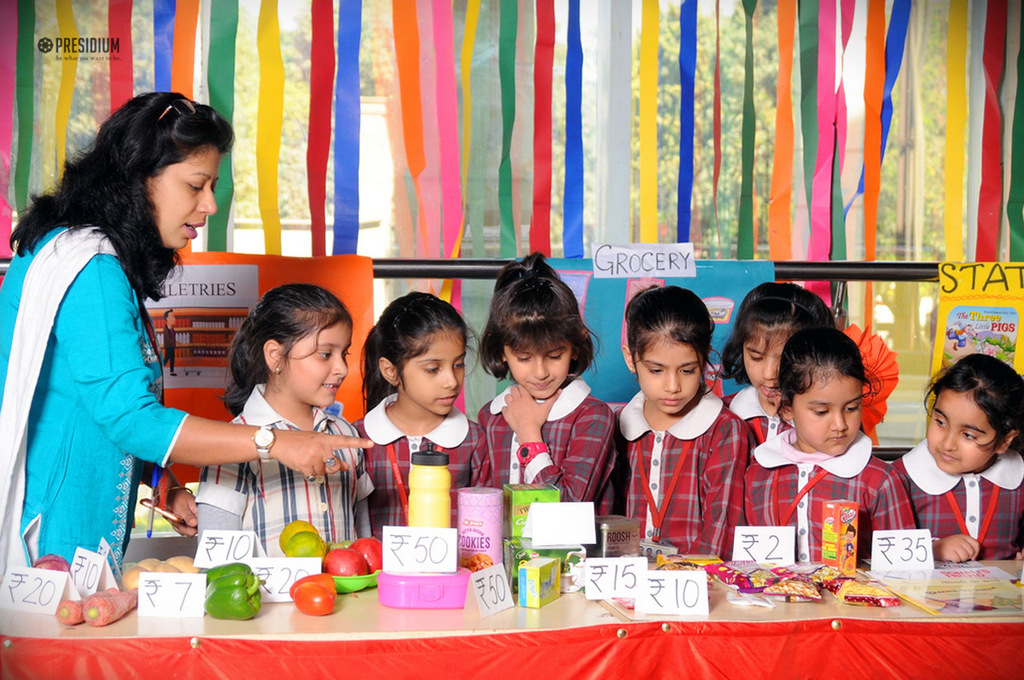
430	502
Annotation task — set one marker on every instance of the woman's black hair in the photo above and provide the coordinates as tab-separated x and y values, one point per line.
533	310
285	314
993	386
819	353
768	312
672	312
106	185
404	331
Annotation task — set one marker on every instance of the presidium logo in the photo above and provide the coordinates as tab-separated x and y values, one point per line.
81	48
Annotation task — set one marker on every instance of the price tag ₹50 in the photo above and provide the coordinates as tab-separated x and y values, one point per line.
764	544
279	573
417	550
674	592
172	595
36	591
608	577
901	549
490	586
221	546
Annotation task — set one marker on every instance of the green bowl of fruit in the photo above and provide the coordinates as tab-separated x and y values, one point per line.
352	584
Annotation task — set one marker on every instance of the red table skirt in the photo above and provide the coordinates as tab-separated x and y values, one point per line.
806	649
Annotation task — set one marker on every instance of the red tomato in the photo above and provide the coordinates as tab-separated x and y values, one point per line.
314	599
325	581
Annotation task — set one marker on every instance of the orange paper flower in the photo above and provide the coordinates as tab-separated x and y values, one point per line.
883	373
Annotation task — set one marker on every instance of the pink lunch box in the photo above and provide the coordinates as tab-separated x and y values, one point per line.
423	591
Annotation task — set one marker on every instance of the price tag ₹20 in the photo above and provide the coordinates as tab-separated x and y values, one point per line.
279	573
898	549
418	550
172	595
608	577
490	586
36	591
764	544
674	592
222	546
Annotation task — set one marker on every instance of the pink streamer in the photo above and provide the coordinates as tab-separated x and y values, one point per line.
448	125
848	7
8	53
821	191
430	179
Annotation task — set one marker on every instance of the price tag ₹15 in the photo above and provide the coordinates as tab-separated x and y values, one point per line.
90	572
764	544
221	546
490	586
674	592
279	573
172	595
36	591
901	549
417	550
608	577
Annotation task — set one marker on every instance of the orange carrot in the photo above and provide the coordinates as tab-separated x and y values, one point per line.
70	612
105	608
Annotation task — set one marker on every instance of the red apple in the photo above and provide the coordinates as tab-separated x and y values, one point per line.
372	551
52	562
345	562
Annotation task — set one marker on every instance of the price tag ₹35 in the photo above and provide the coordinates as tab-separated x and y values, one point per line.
418	550
172	595
899	549
491	589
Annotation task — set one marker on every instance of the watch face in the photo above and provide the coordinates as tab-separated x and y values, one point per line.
263	438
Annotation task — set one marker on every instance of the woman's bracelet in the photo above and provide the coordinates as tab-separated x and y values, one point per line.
175	488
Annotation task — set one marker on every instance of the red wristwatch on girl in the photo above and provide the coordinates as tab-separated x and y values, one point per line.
530	450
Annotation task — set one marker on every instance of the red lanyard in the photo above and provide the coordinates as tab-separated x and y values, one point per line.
792	506
757	424
988	513
658	513
402	494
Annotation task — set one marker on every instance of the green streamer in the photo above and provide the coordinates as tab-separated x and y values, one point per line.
1015	201
25	92
745	240
838	249
808	23
221	79
507	70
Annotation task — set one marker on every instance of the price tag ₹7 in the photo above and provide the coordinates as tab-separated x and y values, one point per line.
221	546
36	591
172	595
764	544
608	577
491	589
279	573
90	572
417	550
674	592
898	549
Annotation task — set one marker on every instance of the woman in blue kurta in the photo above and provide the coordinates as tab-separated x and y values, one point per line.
80	373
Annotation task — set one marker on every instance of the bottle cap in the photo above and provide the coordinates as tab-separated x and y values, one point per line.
430	456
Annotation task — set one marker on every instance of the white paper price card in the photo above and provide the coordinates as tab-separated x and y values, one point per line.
764	544
674	592
104	551
490	586
417	550
172	595
222	546
36	591
279	573
90	572
608	577
901	549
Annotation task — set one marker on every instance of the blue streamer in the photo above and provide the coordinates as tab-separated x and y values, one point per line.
163	43
687	71
346	129
572	204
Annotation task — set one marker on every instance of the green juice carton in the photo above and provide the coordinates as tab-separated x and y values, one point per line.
516	499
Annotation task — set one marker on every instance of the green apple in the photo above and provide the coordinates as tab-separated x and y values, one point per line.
334	545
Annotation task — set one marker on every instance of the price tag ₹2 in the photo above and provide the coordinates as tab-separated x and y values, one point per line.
222	546
674	592
36	591
764	544
90	572
279	573
417	550
172	595
901	549
608	577
490	586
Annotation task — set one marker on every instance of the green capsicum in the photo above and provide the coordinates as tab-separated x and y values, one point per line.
214	573
233	595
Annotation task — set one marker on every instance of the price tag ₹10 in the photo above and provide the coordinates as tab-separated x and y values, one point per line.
490	586
417	550
172	595
674	592
279	573
90	572
608	577
764	544
901	549
221	546
36	591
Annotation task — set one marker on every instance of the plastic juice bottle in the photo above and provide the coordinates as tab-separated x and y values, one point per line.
430	482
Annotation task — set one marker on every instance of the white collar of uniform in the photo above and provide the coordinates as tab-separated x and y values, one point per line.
746	404
701	417
257	411
450	433
572	396
1007	472
850	464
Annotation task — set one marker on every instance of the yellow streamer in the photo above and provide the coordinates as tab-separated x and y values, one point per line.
956	124
268	122
649	122
69	69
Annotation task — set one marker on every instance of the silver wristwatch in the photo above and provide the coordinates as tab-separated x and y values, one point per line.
264	440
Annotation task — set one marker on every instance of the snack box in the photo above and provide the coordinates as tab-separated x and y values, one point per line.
423	591
520	550
540	582
839	535
516	499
